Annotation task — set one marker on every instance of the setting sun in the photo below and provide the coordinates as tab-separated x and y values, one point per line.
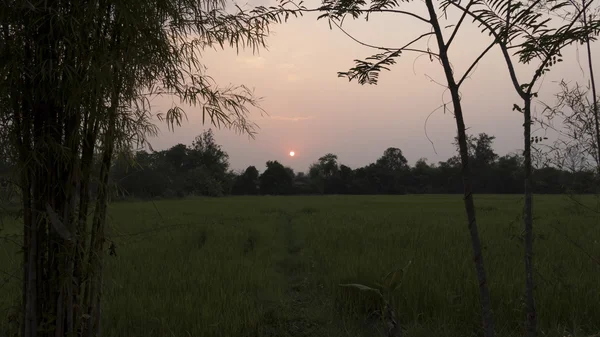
292	153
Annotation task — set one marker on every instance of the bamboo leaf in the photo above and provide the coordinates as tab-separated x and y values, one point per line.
362	287
57	224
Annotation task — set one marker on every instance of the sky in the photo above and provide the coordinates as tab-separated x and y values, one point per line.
313	112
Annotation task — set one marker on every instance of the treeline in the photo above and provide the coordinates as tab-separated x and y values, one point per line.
203	169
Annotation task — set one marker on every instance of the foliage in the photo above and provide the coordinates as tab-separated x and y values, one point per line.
276	180
200	243
156	175
76	80
574	112
247	183
200	169
385	290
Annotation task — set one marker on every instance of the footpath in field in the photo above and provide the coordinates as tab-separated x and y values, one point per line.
307	308
298	310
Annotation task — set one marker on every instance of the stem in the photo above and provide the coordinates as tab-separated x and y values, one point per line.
368	11
594	96
556	48
460	21
484	296
503	48
528	219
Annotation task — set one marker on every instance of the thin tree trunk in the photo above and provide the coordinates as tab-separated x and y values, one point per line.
528	221
81	268
30	318
594	95
96	254
65	316
22	137
96	248
488	324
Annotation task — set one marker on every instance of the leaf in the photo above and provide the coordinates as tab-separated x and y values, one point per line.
392	280
57	224
516	107
367	72
362	287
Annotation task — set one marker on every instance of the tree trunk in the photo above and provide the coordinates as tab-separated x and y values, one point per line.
528	221
96	254
484	296
594	96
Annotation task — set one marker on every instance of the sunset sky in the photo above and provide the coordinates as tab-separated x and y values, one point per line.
313	112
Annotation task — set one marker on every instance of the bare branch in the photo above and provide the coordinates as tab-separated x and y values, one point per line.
466	74
510	65
460	21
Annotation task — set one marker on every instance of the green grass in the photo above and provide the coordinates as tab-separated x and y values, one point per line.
270	266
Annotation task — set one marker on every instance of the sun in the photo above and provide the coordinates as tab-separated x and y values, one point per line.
292	153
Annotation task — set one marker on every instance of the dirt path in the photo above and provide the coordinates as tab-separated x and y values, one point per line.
301	303
307	308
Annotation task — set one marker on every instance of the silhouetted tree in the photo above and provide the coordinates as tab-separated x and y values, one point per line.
393	160
247	183
276	180
154	174
76	78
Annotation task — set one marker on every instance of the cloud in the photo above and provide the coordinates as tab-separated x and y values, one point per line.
291	119
292	77
287	70
254	62
286	66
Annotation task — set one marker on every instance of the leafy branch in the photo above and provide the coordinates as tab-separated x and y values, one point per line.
367	71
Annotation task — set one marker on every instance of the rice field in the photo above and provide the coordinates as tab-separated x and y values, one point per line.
272	266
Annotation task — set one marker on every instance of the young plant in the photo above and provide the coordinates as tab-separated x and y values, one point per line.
367	72
521	28
385	290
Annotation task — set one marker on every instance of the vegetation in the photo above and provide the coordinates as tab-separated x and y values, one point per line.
75	85
271	266
202	169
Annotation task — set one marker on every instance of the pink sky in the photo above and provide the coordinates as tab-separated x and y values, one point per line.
313	112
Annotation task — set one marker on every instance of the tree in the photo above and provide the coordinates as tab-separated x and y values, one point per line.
422	175
323	172
206	152
328	164
393	160
208	166
509	173
276	180
480	149
577	116
247	183
582	122
177	157
76	78
392	170
367	72
521	29
483	160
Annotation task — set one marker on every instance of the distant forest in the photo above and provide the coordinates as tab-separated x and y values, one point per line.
203	169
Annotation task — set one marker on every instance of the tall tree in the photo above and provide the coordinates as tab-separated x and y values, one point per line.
393	160
276	180
523	30
367	72
247	183
75	82
209	164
